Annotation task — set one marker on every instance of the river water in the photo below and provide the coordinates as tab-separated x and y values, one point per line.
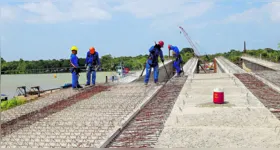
9	83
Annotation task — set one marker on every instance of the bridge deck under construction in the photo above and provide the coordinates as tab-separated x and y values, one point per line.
177	113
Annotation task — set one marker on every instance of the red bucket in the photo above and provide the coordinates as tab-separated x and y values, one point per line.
218	96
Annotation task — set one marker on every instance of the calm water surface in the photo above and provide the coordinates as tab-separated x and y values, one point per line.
9	83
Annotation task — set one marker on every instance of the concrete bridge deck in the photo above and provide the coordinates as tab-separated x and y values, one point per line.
87	123
84	118
129	114
195	122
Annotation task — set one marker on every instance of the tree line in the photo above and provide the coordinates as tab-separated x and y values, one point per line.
109	63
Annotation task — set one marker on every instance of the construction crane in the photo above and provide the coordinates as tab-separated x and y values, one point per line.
196	52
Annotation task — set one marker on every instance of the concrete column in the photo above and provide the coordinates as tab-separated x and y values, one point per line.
215	65
168	54
197	67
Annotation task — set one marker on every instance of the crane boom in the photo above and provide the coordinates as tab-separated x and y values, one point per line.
196	52
190	41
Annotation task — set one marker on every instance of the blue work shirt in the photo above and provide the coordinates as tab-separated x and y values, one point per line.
92	58
177	52
154	54
74	60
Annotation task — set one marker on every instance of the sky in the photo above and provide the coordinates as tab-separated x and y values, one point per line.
46	29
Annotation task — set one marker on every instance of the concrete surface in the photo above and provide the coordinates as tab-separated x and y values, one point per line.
27	108
190	66
136	76
242	122
162	72
251	66
18	111
270	78
88	123
144	129
225	66
268	64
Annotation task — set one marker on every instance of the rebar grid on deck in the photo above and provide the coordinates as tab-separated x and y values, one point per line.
83	120
145	128
269	97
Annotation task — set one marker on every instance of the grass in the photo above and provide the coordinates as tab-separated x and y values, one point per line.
5	105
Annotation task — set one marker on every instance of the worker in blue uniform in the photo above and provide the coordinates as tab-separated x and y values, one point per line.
152	61
75	69
178	59
92	64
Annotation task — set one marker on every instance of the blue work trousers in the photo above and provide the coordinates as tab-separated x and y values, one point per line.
176	65
148	72
75	80
91	73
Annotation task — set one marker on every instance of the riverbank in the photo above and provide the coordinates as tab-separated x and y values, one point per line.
9	83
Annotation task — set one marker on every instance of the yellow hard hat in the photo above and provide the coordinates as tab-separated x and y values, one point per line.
74	48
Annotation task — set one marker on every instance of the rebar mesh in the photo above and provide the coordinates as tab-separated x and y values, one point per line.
88	117
269	97
145	128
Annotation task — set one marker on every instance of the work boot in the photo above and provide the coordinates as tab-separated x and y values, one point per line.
156	83
87	85
146	83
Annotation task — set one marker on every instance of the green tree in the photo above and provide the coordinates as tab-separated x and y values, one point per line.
2	60
107	62
21	68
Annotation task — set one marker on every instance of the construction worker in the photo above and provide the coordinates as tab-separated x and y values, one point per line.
92	64
75	69
178	59
152	61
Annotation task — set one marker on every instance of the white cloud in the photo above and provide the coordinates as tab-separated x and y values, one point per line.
8	13
53	11
157	8
269	11
165	13
57	11
274	10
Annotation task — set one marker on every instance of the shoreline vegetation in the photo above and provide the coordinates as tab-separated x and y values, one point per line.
109	63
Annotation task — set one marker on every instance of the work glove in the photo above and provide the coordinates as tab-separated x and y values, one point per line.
162	61
97	67
87	68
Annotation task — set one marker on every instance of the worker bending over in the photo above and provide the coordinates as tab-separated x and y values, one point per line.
152	61
75	69
92	64
178	59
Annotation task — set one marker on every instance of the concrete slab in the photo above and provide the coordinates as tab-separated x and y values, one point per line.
27	108
190	66
227	66
195	122
88	123
271	78
268	64
202	137
136	75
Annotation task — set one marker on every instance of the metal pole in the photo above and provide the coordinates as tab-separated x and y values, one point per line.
0	83
168	54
